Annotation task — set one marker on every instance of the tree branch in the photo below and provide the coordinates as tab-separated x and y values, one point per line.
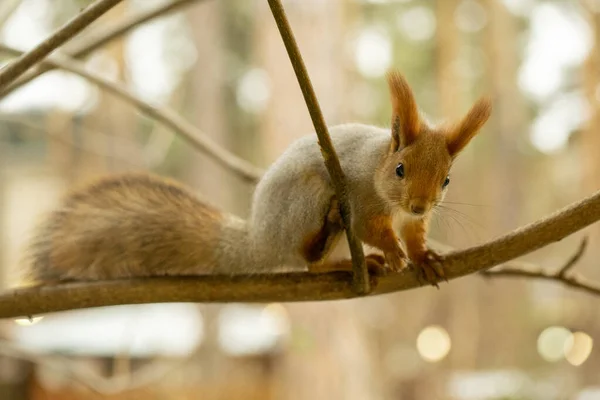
294	286
526	270
166	116
17	67
332	162
85	46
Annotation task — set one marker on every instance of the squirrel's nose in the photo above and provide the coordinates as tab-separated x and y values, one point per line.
418	207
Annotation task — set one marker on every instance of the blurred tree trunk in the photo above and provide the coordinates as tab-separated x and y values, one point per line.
458	305
590	136
207	107
504	175
208	110
508	122
287	117
448	43
589	150
111	116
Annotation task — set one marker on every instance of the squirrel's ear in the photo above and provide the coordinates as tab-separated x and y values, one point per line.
465	130
406	123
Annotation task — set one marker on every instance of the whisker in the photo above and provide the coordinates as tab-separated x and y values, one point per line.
464	204
467	217
460	218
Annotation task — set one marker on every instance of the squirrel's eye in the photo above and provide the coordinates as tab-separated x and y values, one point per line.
400	170
446	182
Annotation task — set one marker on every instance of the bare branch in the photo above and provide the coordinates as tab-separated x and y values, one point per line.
166	116
332	162
17	67
520	270
298	286
574	258
85	46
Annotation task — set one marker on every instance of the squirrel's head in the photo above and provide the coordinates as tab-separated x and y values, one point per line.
414	173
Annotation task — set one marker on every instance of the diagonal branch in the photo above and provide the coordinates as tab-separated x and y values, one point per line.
17	67
85	46
298	286
526	270
166	116
332	162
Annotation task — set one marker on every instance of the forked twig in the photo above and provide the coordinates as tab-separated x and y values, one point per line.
564	275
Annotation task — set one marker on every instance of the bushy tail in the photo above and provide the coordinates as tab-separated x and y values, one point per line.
135	225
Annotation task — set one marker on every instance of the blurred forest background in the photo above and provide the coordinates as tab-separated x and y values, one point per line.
222	66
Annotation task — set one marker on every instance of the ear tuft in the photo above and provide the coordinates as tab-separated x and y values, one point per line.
466	129
406	123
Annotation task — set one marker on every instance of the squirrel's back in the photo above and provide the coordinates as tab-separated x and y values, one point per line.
132	225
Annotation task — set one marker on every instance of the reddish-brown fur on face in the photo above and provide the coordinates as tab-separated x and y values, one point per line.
425	152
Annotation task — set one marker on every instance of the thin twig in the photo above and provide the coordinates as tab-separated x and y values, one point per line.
17	67
521	269
85	46
574	258
532	271
332	162
295	286
164	115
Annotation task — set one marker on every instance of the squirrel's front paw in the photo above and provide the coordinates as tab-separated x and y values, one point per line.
429	267
376	264
396	260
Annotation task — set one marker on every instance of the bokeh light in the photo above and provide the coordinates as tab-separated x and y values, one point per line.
551	343
254	91
28	321
578	348
418	23
373	54
433	343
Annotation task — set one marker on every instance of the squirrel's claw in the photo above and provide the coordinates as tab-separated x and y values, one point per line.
429	268
396	261
376	264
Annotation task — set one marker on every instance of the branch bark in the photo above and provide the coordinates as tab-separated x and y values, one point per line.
332	162
17	67
85	46
165	116
294	286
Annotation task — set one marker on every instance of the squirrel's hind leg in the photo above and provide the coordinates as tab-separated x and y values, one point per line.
317	245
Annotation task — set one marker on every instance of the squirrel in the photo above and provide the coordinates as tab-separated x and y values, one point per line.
141	225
